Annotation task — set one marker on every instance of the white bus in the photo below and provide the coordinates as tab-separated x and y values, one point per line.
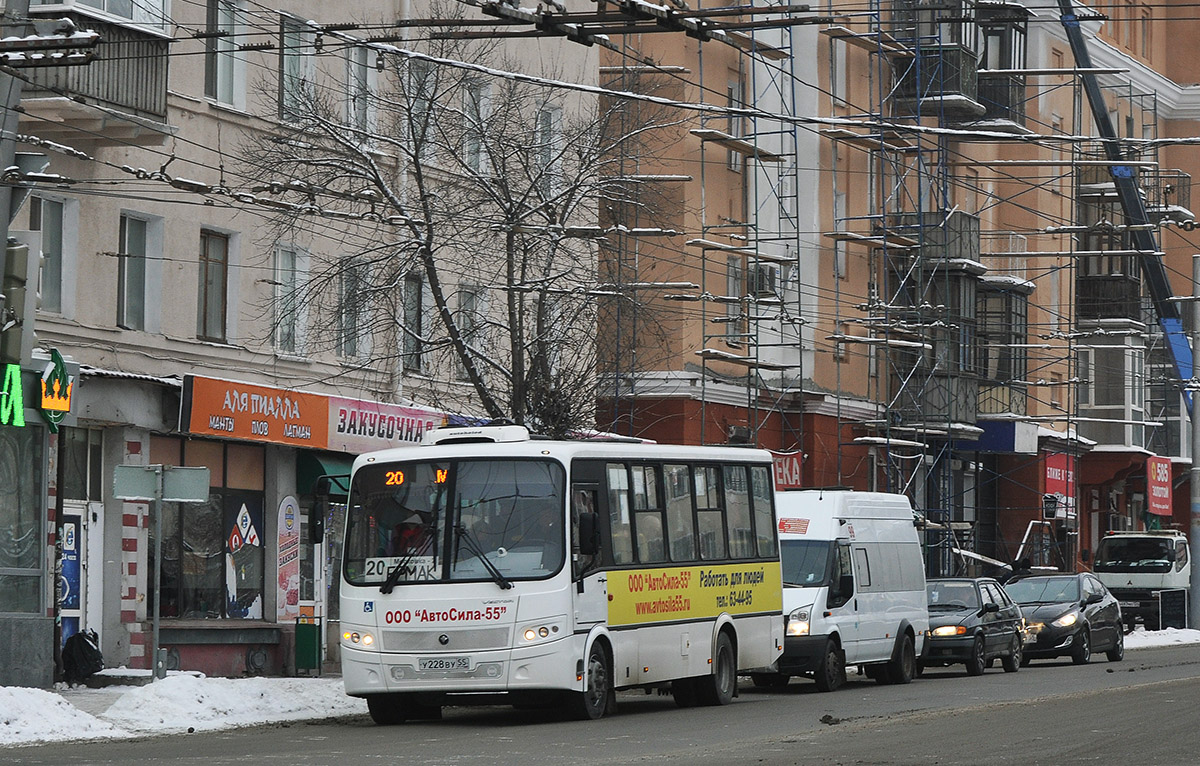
486	567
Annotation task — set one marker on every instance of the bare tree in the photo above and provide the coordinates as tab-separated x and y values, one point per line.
446	182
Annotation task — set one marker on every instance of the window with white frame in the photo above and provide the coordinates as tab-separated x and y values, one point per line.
470	306
837	80
151	13
549	148
733	309
46	216
296	69
352	308
734	96
287	299
360	85
223	68
413	322
422	97
475	110
131	273
214	279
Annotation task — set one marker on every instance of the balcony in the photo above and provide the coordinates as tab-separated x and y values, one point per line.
119	98
1168	195
1108	296
938	81
1003	97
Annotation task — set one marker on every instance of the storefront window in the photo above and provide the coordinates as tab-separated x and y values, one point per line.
22	540
213	553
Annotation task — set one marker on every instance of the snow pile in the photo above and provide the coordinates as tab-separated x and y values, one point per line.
34	715
1141	639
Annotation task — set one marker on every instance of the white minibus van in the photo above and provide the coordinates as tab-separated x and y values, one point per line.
853	587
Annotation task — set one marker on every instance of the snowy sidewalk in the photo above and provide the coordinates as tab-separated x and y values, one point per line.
186	702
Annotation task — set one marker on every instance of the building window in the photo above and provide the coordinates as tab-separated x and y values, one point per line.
422	91
413	329
131	274
837	78
359	79
213	558
734	95
549	148
733	309
475	107
352	308
46	216
295	70
221	65
470	300
80	452
147	12
1003	324
22	555
214	276
287	299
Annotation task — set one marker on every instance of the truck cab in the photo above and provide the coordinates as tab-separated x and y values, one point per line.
1137	566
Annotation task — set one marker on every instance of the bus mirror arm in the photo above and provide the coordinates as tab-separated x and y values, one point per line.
589	533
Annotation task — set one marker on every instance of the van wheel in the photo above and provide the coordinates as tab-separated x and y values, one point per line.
1012	661
976	662
598	700
902	669
719	688
831	670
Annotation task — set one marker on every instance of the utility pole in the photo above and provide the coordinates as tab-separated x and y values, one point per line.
1194	530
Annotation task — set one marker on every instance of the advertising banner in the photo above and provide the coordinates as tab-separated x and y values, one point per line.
683	593
1158	486
287	600
360	426
235	410
787	469
1060	484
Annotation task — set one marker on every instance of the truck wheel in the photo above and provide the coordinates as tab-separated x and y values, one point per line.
831	670
976	662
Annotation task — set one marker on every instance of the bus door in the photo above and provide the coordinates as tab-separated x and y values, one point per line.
590	582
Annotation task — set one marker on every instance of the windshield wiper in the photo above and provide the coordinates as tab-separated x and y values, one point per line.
465	536
401	567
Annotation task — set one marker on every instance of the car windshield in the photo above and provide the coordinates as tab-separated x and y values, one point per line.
1043	590
946	596
1133	554
805	562
455	520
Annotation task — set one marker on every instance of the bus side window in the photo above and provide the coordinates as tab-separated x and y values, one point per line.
681	526
619	522
710	520
585	529
762	491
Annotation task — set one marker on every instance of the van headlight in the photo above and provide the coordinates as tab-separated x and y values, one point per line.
797	622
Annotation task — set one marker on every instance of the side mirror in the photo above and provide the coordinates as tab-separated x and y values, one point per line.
1092	598
589	533
990	608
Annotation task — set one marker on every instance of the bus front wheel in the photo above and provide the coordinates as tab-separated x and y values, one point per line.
600	696
392	709
720	687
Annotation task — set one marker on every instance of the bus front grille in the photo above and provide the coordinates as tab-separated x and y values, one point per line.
457	640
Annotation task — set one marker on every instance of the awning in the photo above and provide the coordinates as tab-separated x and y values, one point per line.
312	465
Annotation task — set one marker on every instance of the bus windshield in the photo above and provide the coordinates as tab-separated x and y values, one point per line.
455	520
805	562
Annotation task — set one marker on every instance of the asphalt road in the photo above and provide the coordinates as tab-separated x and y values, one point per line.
1145	710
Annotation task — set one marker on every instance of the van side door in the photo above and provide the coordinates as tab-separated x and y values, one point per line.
841	603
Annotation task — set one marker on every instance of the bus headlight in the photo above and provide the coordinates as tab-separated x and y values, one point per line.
536	633
358	638
797	624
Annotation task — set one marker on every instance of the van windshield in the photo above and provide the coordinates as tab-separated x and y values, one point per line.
805	562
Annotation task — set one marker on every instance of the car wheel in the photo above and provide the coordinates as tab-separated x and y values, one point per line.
1082	653
976	662
1117	652
598	700
831	671
770	680
902	669
720	687
1013	661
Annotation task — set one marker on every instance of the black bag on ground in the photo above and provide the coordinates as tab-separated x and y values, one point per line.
81	657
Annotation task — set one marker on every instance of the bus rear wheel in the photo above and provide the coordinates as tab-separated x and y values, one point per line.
599	698
720	687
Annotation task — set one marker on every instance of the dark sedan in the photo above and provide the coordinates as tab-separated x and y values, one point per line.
1069	614
973	621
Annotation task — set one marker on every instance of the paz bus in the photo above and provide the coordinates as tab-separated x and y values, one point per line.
488	567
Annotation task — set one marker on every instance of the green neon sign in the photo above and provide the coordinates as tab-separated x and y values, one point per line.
12	403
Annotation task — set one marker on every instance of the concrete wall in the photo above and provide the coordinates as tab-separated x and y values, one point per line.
29	647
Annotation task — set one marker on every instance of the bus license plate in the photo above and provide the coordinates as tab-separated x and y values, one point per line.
444	663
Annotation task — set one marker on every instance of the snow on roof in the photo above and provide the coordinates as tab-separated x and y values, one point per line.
174	381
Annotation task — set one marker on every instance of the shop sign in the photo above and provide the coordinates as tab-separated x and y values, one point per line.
359	426
55	400
1060	485
234	410
787	469
1158	486
12	401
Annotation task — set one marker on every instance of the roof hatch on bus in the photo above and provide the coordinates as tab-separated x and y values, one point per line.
476	434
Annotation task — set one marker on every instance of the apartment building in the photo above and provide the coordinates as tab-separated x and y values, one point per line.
261	225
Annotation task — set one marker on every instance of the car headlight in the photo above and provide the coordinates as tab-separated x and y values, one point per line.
949	630
797	622
1066	621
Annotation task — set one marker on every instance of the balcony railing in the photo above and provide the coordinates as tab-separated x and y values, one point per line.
1108	297
128	74
1003	96
939	79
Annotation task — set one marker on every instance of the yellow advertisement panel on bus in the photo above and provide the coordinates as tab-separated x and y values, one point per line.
638	596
